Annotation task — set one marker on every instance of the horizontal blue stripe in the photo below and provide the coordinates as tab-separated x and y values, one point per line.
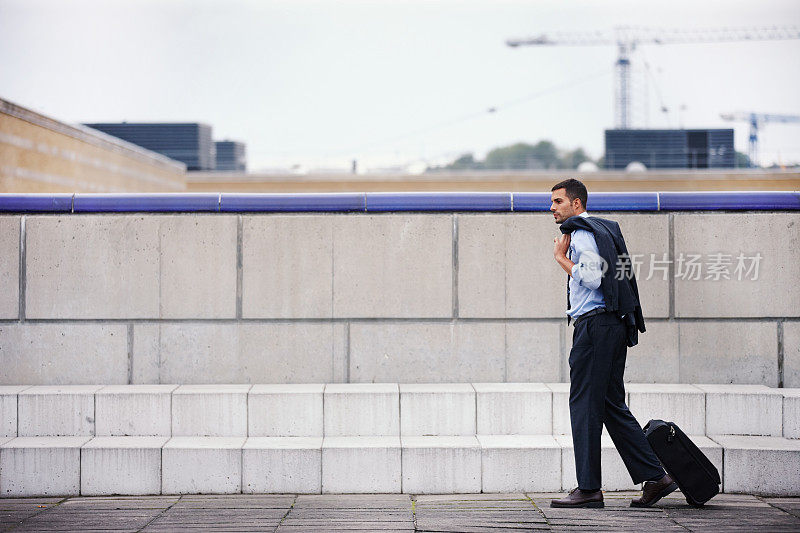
292	202
598	201
377	202
733	200
32	203
622	201
532	201
146	202
438	201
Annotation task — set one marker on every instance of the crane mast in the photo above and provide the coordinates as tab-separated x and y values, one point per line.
627	38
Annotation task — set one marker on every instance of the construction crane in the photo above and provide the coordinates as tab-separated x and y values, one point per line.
627	38
757	120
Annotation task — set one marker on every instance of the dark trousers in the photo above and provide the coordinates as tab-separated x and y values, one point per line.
597	397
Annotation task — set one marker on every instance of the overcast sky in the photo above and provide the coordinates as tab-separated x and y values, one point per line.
391	82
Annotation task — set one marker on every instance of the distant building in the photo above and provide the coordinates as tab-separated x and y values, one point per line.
709	148
231	156
187	142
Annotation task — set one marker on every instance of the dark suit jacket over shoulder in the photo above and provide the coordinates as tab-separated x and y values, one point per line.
618	283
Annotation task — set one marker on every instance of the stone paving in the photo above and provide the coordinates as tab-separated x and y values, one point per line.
494	513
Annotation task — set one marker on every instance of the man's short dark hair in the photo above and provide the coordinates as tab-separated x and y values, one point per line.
574	189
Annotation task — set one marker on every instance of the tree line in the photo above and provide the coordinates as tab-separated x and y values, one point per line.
521	156
542	155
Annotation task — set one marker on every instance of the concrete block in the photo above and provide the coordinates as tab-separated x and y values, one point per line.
285	411
57	411
441	465
360	409
111	271
361	464
791	354
9	266
134	410
683	404
341	352
791	413
743	410
768	234
282	465
121	465
437	409
412	352
524	463
210	410
398	266
529	244
767	466
656	359
647	239
514	409
615	474
247	353
496	254
63	354
8	409
533	351
729	352
146	354
41	466
198	266
482	260
561	419
287	266
202	465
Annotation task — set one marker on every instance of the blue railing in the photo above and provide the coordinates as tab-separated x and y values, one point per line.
394	201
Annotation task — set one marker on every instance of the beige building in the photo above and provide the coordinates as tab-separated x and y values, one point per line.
522	181
41	154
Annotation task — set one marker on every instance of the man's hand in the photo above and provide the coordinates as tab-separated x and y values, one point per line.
561	245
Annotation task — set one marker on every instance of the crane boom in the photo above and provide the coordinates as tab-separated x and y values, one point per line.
635	35
627	38
757	120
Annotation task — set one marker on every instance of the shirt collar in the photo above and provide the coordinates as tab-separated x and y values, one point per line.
584	214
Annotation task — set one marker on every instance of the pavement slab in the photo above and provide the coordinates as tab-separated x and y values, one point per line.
435	513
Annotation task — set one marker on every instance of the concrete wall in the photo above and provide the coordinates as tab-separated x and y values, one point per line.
399	297
40	154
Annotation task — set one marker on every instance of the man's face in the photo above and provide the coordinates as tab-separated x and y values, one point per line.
561	207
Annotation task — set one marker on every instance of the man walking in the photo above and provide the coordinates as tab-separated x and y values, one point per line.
603	301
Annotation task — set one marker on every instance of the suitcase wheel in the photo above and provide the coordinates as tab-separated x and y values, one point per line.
693	503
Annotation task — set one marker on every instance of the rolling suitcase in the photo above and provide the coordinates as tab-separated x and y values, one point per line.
695	475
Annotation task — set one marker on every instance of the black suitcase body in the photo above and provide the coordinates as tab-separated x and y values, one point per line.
695	475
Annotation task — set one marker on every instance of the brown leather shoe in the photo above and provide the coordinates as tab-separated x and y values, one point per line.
579	498
654	491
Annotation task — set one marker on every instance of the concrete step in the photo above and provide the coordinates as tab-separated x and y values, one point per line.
106	465
371	437
374	409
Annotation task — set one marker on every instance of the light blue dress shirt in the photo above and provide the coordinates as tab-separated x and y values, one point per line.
584	281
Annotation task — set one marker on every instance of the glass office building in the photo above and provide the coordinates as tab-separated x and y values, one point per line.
708	148
187	142
231	156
